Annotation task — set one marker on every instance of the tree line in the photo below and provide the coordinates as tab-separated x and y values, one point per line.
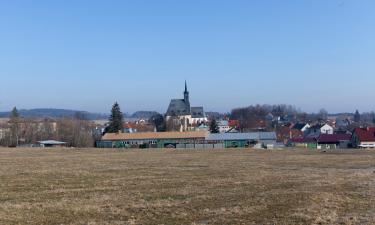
76	131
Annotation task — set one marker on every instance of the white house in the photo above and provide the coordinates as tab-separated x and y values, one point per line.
223	126
301	126
316	130
326	129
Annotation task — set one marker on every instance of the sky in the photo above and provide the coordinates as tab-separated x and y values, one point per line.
85	55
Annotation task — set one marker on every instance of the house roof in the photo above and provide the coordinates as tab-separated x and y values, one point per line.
242	136
154	135
323	138
333	138
51	142
302	140
317	126
223	123
286	132
233	123
365	134
299	126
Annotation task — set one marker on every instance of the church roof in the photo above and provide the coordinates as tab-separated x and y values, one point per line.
178	107
181	107
197	112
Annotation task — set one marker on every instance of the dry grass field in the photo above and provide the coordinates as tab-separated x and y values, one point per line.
65	186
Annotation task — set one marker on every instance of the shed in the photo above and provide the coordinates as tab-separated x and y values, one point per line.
51	143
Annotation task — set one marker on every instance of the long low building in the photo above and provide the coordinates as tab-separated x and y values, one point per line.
151	139
194	139
241	140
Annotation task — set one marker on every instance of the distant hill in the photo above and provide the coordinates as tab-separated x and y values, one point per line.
55	113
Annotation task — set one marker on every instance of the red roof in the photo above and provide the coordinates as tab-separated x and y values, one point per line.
365	134
333	138
234	123
323	138
302	140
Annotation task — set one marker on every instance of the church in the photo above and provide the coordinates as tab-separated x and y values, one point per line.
181	116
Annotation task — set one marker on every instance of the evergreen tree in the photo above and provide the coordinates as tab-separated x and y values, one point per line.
214	128
14	114
357	117
115	120
159	122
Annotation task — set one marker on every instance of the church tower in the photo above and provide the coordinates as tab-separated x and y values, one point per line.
186	95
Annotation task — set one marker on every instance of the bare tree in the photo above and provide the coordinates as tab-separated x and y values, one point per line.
77	133
323	115
173	123
14	130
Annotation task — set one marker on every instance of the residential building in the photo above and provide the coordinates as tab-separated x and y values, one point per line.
301	126
202	127
364	137
334	141
285	133
323	141
234	123
316	130
223	126
326	129
4	130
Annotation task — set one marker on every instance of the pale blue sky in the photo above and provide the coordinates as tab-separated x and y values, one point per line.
87	54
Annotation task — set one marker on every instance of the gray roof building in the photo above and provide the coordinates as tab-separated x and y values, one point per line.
181	107
242	136
197	112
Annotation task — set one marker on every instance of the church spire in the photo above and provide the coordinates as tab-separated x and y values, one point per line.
186	94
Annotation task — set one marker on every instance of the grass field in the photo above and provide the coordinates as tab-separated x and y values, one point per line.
186	187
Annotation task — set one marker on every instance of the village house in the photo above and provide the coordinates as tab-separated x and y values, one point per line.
364	137
323	141
300	126
234	124
134	127
223	126
4	130
202	127
284	133
316	130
